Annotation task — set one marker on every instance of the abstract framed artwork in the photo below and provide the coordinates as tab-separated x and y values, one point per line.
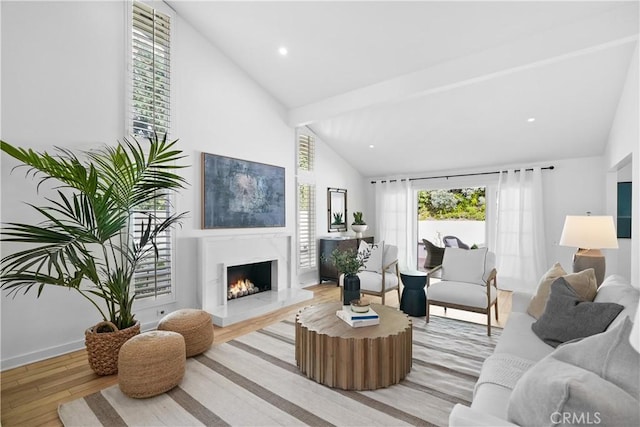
624	210
241	194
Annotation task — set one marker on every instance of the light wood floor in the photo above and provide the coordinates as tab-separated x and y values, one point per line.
31	394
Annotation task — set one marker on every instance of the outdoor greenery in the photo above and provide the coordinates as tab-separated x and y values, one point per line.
84	242
460	203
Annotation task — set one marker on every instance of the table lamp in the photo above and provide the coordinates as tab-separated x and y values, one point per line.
589	234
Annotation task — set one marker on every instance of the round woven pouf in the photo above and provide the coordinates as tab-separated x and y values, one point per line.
194	325
151	363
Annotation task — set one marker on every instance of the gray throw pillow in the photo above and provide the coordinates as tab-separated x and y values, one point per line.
609	355
567	316
553	392
591	381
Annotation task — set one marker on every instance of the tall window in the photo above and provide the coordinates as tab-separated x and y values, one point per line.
306	203
150	112
153	275
306	153
151	61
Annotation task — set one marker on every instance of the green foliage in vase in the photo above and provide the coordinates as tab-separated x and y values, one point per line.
83	242
348	261
357	219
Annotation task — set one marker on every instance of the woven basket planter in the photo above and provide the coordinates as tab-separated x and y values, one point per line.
103	348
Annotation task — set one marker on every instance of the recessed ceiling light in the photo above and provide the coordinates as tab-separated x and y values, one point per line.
371	146
531	119
283	51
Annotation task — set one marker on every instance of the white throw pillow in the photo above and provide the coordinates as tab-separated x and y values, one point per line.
539	300
374	260
464	265
363	248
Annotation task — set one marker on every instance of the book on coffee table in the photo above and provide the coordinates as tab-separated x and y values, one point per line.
356	320
369	314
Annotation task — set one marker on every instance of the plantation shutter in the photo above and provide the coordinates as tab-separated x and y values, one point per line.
306	203
306	226
306	153
151	71
150	112
153	275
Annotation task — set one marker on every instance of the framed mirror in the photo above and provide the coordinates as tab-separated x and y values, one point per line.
337	209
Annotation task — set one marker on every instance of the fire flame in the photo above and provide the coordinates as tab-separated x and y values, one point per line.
241	288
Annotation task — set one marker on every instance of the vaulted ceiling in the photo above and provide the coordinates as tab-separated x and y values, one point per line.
399	88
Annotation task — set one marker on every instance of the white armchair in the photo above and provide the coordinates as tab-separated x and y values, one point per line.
380	273
467	282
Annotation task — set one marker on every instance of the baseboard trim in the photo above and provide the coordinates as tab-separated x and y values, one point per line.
59	350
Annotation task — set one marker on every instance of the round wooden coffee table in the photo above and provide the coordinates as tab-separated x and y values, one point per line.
335	354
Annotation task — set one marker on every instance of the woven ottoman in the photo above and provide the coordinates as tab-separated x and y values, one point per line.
151	363
194	325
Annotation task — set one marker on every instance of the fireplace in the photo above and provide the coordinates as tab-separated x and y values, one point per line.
218	258
248	279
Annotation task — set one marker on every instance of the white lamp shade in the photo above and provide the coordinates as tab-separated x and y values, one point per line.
589	232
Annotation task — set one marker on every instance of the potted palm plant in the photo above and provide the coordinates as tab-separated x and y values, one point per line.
84	242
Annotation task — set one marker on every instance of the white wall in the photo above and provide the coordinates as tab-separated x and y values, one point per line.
622	153
574	187
63	84
63	80
219	110
332	171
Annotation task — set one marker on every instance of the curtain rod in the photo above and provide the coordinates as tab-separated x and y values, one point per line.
458	175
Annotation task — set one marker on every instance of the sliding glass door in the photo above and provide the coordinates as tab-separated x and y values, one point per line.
452	212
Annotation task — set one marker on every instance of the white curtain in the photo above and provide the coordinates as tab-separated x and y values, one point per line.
520	236
393	219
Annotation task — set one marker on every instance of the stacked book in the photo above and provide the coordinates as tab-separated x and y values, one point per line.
358	320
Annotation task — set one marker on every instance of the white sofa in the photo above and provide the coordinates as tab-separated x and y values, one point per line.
522	346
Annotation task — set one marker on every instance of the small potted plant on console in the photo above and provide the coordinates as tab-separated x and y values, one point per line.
358	225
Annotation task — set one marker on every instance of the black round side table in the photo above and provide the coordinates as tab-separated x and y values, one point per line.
414	300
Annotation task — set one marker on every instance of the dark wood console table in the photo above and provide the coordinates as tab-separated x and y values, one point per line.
327	245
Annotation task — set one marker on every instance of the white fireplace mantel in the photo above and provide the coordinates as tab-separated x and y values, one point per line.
217	253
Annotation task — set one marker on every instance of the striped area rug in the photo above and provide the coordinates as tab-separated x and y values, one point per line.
253	381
